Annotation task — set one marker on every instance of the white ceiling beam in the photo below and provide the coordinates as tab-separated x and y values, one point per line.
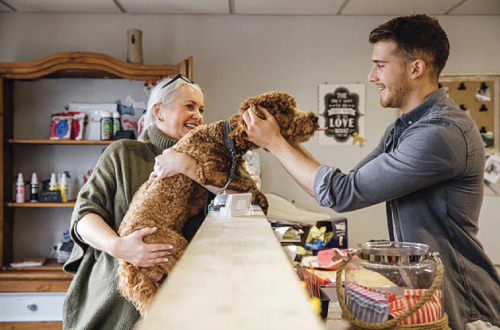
64	6
176	6
398	7
287	7
477	7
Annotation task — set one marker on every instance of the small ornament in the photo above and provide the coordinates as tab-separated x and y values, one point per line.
148	85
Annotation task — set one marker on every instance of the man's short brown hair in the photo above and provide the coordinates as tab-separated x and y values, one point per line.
416	36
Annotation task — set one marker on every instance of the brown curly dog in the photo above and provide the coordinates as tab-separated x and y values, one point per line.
168	205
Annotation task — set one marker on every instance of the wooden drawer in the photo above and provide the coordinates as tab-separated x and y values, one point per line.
31	306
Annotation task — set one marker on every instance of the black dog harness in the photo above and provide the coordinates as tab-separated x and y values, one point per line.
221	197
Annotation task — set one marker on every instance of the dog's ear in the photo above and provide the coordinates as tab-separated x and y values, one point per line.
238	133
275	102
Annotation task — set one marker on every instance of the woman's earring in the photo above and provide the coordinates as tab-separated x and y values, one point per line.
160	120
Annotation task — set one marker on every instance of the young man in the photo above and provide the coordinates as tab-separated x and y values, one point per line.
428	167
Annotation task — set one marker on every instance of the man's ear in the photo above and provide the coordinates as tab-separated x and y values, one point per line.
418	69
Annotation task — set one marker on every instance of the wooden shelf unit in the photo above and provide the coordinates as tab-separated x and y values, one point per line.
51	278
57	142
37	204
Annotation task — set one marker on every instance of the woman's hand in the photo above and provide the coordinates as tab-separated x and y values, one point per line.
172	162
131	248
97	233
263	132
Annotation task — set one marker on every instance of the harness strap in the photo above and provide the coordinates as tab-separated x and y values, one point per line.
232	151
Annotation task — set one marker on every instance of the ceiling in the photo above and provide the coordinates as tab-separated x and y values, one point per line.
258	7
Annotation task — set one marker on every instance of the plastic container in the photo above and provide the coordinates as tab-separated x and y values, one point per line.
106	126
34	188
20	188
93	129
116	122
53	186
392	282
252	165
63	187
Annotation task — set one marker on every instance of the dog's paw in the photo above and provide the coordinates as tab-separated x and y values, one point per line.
260	199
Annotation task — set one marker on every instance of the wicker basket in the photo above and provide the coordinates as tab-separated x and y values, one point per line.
393	324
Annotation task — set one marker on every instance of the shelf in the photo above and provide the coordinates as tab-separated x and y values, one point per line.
47	278
59	142
50	265
41	325
38	204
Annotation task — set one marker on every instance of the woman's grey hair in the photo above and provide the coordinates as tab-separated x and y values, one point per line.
164	96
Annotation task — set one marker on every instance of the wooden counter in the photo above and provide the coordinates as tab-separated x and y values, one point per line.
234	275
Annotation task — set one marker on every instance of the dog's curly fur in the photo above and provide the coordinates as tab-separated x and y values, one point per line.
168	205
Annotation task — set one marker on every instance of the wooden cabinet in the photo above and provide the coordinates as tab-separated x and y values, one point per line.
71	65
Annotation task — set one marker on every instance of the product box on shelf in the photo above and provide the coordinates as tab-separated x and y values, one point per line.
93	112
67	126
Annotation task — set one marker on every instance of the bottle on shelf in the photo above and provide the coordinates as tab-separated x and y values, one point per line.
34	188
116	122
106	125
20	188
63	187
53	182
93	130
252	165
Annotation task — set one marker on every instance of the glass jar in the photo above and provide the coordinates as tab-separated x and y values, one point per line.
395	282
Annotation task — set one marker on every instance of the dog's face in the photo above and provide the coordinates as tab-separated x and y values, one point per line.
296	126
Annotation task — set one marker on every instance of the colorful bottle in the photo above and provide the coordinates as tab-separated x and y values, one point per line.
53	182
63	187
34	188
116	122
20	188
106	126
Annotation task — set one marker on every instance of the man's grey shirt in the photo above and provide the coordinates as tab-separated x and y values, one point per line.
429	169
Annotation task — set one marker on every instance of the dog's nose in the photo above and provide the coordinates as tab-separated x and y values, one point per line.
314	118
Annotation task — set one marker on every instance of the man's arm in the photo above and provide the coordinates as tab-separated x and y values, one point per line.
297	161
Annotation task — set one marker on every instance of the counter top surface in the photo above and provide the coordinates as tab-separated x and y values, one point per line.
234	275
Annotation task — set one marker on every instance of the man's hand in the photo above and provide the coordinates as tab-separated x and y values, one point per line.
263	132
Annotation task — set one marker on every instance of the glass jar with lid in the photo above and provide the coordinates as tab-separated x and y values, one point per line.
392	284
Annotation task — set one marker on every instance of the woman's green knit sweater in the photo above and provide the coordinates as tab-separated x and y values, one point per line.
92	301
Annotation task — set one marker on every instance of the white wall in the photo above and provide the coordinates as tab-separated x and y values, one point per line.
240	56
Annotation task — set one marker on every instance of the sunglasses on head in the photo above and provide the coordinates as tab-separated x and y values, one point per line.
179	76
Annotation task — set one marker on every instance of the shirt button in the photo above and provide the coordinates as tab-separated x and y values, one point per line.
410	122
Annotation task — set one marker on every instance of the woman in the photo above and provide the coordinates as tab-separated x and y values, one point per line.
175	107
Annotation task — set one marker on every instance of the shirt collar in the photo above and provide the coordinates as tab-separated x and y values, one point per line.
423	108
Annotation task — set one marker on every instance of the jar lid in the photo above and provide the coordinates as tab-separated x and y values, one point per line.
393	252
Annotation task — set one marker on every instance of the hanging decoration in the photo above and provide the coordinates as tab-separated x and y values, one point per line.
342	112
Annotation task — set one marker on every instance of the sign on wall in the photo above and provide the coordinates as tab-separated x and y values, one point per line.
342	112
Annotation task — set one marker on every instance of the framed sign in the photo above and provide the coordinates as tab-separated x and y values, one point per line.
342	112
